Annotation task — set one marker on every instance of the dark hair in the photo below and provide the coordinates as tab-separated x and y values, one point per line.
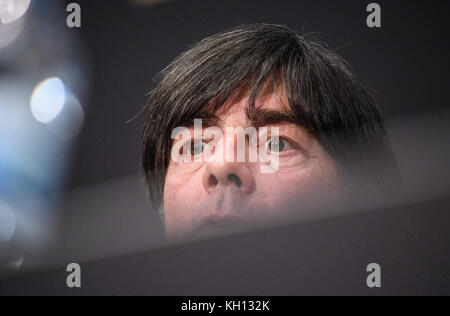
324	95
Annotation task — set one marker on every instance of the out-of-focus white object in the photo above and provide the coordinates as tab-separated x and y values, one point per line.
16	264
11	10
48	99
7	222
10	32
70	120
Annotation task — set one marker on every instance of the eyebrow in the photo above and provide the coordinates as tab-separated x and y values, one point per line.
257	117
262	117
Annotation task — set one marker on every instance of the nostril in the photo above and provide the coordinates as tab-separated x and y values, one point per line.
213	181
234	178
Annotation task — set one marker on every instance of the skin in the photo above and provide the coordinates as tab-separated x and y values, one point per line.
201	198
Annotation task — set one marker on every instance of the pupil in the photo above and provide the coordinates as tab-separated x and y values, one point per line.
276	145
196	148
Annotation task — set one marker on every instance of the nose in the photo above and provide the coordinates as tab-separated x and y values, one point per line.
219	175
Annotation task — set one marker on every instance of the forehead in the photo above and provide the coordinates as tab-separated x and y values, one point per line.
272	96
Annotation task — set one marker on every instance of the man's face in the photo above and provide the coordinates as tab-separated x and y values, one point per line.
210	197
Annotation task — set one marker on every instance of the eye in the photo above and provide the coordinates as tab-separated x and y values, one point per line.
278	144
195	147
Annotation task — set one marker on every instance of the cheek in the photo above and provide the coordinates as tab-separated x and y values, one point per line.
182	183
181	190
292	191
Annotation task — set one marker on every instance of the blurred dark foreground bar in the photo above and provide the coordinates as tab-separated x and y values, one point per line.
328	257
